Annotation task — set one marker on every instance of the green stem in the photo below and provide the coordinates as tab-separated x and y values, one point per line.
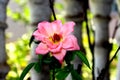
53	75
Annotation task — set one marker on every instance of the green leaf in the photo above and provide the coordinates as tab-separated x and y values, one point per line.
38	67
61	75
82	58
75	75
54	64
59	6
47	60
40	57
26	70
69	57
31	40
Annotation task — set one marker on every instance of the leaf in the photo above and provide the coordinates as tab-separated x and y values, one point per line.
75	75
47	60
31	40
26	70
40	57
55	63
69	57
59	6
38	67
61	75
82	57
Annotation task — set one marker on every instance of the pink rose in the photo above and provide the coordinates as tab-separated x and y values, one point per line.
55	38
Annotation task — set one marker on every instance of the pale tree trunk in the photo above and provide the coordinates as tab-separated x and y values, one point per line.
40	11
101	10
75	11
4	68
118	67
118	63
118	40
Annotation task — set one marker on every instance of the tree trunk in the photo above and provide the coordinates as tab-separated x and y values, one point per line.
40	11
118	63
101	10
118	40
118	67
75	11
4	68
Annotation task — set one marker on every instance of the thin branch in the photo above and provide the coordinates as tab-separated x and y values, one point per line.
53	75
101	75
52	8
114	55
90	45
115	30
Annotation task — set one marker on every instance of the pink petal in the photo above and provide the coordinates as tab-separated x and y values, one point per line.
50	44
60	56
70	43
42	49
45	28
53	47
38	35
56	49
41	27
67	28
56	25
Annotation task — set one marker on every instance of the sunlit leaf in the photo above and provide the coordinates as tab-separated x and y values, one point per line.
59	6
26	13
16	16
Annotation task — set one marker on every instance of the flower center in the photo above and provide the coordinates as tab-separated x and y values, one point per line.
56	38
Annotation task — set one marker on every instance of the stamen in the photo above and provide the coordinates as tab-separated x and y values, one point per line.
56	38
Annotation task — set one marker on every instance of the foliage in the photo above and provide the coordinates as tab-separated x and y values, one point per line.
51	50
26	70
60	72
18	56
22	15
17	51
59	11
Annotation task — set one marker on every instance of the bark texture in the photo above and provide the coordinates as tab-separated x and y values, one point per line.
118	64
4	68
101	10
118	67
118	40
75	11
39	11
